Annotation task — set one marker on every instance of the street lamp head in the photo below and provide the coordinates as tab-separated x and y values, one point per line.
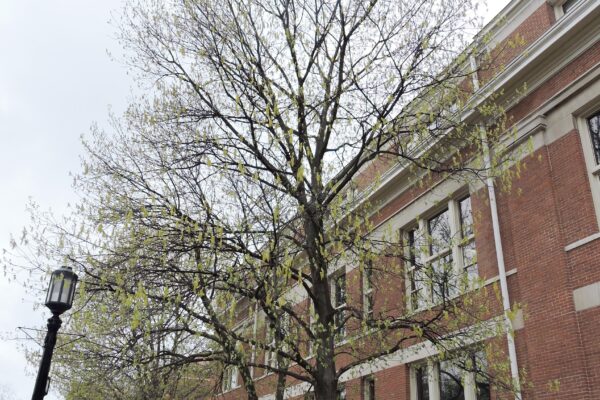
61	290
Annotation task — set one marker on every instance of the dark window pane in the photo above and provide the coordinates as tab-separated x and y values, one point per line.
369	388
451	387
416	271
470	260
594	126
422	384
341	393
340	300
369	305
414	256
466	218
443	282
439	232
482	381
369	277
340	290
417	285
568	5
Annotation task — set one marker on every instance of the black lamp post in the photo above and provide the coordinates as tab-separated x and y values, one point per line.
58	299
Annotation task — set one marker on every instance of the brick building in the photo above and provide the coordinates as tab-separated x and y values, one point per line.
537	242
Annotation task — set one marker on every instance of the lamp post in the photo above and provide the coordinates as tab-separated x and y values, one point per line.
58	299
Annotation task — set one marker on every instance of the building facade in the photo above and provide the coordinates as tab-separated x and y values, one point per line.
538	241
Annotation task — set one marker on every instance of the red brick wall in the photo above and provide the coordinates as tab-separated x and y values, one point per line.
555	354
526	33
392	383
555	83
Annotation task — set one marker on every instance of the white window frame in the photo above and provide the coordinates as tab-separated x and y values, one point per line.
368	292
559	10
230	378
334	278
456	249
593	168
367	382
341	392
311	324
271	341
433	381
270	355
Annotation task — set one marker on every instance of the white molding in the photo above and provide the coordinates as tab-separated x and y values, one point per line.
496	278
587	297
527	59
582	242
508	20
422	351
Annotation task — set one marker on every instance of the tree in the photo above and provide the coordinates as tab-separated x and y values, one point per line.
120	355
253	167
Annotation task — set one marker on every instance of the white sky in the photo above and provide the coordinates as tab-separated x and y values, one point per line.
55	81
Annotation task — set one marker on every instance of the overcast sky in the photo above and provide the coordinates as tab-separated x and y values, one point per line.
55	81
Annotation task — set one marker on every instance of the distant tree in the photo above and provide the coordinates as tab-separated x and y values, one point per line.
121	352
6	393
251	168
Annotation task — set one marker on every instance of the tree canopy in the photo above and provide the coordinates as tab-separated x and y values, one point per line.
249	173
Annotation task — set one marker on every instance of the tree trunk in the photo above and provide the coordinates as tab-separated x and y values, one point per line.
326	380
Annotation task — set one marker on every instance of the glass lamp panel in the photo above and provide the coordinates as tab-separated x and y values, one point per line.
72	296
56	287
65	295
49	293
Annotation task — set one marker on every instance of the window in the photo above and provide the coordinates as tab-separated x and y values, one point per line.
339	301
283	325
416	273
589	128
368	292
467	239
421	383
451	381
458	379
230	378
440	252
594	129
270	353
568	5
312	319
440	256
341	392
562	7
369	388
